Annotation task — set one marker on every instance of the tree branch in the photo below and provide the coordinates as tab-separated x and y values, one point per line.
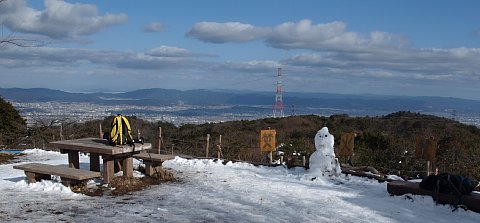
20	42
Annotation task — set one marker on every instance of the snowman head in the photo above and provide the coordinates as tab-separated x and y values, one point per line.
323	139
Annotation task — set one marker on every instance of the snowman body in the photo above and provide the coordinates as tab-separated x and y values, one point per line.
323	161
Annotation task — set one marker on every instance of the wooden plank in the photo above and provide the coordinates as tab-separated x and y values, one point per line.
153	156
406	187
366	174
153	162
472	200
61	171
99	146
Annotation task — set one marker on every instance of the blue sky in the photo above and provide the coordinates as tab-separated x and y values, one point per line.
424	48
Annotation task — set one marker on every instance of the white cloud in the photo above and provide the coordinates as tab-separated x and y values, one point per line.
46	56
304	34
153	27
329	37
247	67
458	64
170	51
226	32
59	19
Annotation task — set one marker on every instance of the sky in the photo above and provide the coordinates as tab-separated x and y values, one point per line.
415	48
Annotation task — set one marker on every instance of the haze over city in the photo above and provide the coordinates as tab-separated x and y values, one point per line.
416	48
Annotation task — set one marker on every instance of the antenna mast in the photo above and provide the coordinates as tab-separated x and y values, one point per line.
278	105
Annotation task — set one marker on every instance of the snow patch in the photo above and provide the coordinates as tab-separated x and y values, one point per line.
208	191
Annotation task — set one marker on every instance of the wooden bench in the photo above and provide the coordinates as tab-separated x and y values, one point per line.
472	200
69	176
153	162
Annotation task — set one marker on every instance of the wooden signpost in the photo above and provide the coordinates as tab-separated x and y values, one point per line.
347	142
426	148
267	141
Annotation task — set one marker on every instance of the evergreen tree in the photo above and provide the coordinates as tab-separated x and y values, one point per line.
12	125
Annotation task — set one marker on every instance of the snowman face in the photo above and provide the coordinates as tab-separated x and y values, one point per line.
323	139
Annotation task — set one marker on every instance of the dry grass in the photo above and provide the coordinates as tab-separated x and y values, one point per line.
6	158
124	185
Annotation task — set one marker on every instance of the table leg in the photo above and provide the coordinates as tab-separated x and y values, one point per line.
95	162
73	159
118	165
108	172
128	167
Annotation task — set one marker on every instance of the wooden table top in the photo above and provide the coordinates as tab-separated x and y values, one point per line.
99	146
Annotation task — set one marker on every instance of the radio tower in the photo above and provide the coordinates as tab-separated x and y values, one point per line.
278	105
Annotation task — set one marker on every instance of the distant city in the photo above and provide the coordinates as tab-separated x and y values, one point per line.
202	106
189	114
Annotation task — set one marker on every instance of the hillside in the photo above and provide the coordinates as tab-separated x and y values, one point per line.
382	141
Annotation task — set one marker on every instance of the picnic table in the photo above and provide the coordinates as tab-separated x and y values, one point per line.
99	147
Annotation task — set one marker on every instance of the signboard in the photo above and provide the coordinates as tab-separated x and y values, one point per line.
267	140
346	144
426	148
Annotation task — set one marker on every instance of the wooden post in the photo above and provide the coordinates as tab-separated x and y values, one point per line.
100	134
208	144
304	161
428	168
61	131
219	146
219	152
95	162
271	157
281	160
108	169
138	134
159	139
128	167
172	147
73	159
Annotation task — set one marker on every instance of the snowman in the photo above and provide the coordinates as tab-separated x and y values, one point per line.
323	161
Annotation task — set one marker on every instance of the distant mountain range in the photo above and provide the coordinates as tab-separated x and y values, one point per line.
163	97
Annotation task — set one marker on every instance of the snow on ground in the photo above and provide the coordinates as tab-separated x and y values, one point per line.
208	191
